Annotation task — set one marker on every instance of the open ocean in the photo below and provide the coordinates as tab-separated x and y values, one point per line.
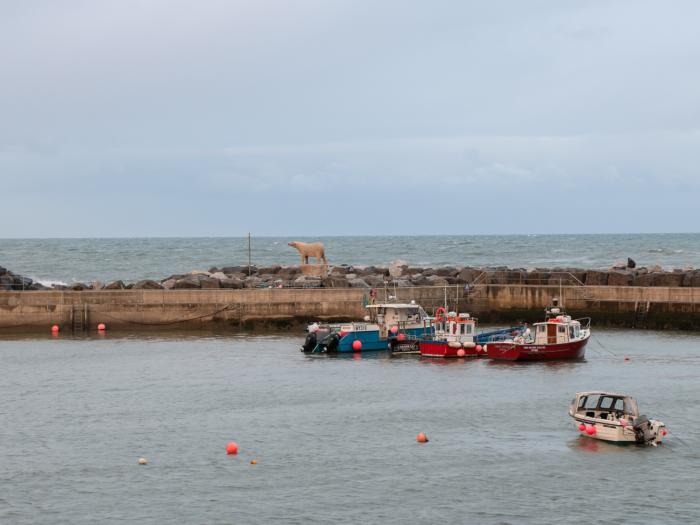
131	259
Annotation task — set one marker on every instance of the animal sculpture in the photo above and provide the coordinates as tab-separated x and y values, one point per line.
306	250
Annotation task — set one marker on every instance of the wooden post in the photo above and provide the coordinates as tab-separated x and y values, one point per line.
249	265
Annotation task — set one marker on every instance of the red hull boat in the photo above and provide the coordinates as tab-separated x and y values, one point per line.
444	349
558	337
537	352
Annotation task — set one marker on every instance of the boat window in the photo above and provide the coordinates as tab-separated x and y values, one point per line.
606	403
582	401
619	405
592	402
572	334
542	328
469	328
562	329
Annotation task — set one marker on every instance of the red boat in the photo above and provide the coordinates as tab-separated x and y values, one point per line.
453	336
558	337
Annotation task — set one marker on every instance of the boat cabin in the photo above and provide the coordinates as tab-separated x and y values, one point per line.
400	315
454	327
557	330
604	405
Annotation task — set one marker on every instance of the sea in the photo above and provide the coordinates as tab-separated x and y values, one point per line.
334	438
54	261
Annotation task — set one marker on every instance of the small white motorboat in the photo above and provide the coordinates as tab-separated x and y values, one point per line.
615	418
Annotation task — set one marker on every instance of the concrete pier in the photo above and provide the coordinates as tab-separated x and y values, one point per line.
648	307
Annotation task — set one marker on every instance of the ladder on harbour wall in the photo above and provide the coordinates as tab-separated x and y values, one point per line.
79	318
641	312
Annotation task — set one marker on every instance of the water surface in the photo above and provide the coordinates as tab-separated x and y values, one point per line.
335	437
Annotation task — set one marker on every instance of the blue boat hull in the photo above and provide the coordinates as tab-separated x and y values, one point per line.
371	341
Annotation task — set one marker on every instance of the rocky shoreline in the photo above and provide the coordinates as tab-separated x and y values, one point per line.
397	274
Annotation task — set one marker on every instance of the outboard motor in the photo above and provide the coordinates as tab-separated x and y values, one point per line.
309	343
643	430
330	342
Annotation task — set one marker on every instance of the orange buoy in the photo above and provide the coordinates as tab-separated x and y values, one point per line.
143	461
55	329
357	345
101	327
232	448
422	438
253	461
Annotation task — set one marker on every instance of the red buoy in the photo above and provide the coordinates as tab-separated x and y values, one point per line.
479	348
422	438
394	329
357	345
55	329
664	432
101	327
461	352
232	448
582	427
590	430
401	337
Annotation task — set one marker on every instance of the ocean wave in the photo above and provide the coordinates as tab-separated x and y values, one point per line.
48	282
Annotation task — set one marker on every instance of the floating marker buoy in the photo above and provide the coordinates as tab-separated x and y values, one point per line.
232	448
142	461
357	345
422	438
55	329
627	358
101	327
461	352
253	461
582	427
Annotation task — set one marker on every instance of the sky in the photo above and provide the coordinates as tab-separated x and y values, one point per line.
127	118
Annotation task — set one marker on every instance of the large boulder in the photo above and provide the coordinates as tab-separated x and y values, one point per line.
79	287
335	281
419	280
208	282
147	284
231	282
271	270
229	270
692	279
186	283
620	277
397	268
596	278
435	280
308	281
375	281
338	271
674	279
467	275
447	271
358	283
6	282
114	285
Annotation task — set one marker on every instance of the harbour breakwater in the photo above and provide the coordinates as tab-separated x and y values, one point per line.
396	274
285	298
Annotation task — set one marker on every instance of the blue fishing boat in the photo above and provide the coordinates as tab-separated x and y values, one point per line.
385	324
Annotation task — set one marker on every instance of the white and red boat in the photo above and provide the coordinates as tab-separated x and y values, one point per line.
558	337
454	335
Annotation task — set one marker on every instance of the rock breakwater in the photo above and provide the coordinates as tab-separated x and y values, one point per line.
397	274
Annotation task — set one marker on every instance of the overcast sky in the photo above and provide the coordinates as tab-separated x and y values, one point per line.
309	117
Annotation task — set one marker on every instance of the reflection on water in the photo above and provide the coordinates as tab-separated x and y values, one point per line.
334	436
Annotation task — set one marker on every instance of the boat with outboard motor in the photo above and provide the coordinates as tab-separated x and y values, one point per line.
615	418
557	337
455	335
384	326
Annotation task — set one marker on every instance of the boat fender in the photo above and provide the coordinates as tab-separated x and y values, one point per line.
469	344
454	344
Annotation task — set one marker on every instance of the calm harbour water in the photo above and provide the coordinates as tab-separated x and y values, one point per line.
87	260
335	437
